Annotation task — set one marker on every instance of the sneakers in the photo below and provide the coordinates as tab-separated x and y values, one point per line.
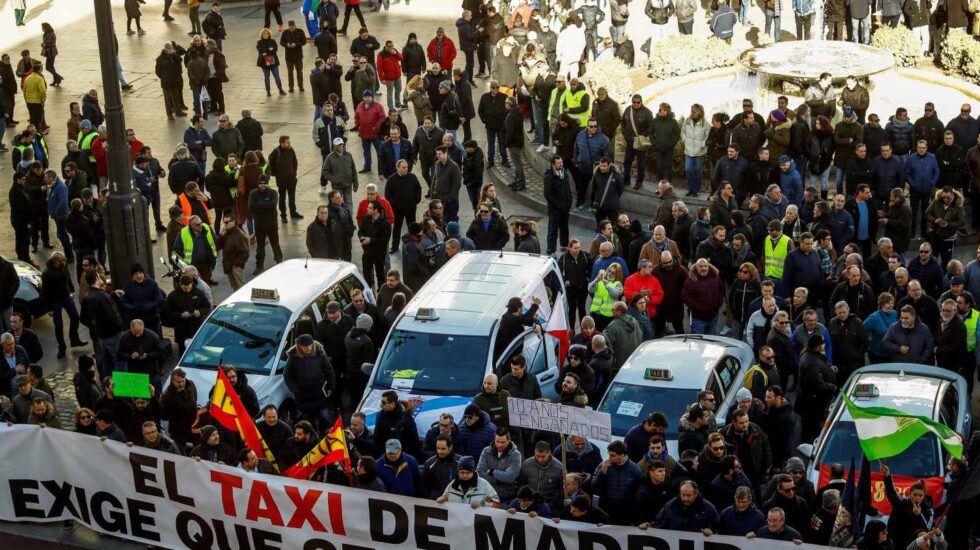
323	189
542	148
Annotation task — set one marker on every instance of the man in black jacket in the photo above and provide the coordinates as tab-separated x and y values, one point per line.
373	235
251	131
341	225
140	348
214	25
20	220
283	166
319	242
100	313
310	376
170	69
488	231
262	202
293	39
404	193
492	112
558	195
184	310
513	323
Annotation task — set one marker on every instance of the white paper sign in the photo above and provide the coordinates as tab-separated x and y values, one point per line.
564	419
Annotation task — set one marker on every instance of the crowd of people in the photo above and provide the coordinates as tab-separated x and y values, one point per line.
813	276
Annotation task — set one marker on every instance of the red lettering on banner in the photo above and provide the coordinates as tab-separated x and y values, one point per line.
228	483
262	505
336	513
304	508
879	498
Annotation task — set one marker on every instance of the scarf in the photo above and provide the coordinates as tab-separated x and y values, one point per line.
661	248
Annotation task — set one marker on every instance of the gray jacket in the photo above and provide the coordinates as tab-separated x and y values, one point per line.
339	170
501	470
547	480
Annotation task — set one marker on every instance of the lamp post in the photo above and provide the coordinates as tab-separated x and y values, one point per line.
128	230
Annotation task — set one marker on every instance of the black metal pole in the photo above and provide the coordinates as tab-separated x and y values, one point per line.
127	224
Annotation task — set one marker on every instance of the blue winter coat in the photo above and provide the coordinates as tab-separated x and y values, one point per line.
588	150
200	152
540	508
616	488
58	200
470	441
637	441
142	298
918	339
791	184
842	231
604	263
922	173
400	477
801	269
887	174
142	182
737	524
701	514
877	325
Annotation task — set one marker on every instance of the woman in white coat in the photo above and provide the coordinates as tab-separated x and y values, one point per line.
469	488
694	136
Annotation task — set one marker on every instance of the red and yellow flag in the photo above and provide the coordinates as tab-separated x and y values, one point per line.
332	448
227	409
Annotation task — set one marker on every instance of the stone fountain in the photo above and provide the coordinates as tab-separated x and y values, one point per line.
802	62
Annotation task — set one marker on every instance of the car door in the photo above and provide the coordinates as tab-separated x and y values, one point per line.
541	354
305	323
502	366
724	377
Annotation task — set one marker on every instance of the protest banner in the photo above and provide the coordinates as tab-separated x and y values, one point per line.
130	384
172	501
563	419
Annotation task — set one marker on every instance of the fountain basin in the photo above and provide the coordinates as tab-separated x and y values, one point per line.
801	62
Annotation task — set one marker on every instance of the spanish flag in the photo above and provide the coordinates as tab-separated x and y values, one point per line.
332	448
227	409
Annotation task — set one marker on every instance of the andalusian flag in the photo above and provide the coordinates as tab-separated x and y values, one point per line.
332	448
227	409
885	432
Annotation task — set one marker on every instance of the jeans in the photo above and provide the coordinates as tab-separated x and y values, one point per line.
743	12
824	178
451	210
706	326
494	138
196	94
366	145
616	32
804	26
692	172
557	231
394	90
61	228
518	164
773	20
119	73
274	71
541	127
59	331
195	19
473	192
890	20
641	163
665	165
839	178
470	63
865	26
105	354
49	66
297	67
263	232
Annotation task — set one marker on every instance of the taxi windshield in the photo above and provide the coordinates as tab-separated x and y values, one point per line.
242	334
919	460
629	404
439	364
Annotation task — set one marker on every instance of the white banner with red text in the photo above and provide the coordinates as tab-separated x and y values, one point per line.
176	502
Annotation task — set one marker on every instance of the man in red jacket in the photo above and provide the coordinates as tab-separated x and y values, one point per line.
390	73
645	283
368	116
442	50
372	195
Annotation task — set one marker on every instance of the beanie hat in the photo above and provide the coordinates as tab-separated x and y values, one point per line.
471	410
467	463
814	341
452	229
743	394
137	268
776	114
364	322
446	84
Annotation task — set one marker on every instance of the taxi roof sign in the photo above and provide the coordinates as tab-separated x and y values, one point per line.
865	390
658	374
270	294
426	314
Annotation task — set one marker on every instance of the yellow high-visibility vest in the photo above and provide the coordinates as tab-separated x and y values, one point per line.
776	257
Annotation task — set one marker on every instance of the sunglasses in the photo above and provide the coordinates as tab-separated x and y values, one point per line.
484	211
722	448
592	126
85	417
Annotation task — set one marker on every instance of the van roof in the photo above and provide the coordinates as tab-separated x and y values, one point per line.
298	281
471	291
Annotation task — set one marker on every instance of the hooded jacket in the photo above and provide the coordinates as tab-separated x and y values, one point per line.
953	214
704	296
311	378
397	424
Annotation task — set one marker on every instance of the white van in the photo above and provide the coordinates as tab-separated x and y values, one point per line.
253	328
441	346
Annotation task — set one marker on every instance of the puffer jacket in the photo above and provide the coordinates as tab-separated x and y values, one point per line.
400	477
695	137
548	480
311	378
901	134
616	487
471	440
665	132
953	214
500	469
483	494
922	172
701	514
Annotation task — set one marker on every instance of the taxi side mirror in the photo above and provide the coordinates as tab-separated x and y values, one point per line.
366	368
806	449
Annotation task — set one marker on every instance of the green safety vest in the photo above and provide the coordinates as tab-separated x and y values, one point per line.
971	330
85	144
776	257
563	98
574	101
233	191
602	303
750	376
188	241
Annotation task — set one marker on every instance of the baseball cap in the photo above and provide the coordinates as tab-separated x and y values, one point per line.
393	446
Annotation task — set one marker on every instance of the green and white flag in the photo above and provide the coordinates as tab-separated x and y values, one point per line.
885	432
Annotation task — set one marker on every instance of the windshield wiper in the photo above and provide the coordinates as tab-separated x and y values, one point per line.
261	340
